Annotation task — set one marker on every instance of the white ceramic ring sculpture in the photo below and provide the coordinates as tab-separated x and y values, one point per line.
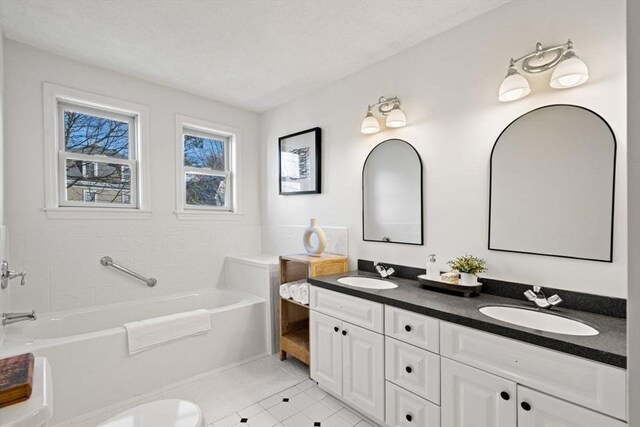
314	228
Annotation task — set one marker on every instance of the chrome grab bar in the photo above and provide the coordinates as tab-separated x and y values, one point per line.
107	261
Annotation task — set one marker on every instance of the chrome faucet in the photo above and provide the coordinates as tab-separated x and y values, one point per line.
540	300
9	318
383	270
6	275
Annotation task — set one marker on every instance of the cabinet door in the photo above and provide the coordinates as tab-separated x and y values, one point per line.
539	410
405	409
363	370
473	398
326	351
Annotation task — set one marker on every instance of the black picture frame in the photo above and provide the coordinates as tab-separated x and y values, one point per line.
613	190
309	170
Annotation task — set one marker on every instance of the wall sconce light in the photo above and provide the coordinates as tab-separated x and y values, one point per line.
390	108
569	71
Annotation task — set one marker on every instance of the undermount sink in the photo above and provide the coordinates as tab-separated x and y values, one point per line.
367	283
539	320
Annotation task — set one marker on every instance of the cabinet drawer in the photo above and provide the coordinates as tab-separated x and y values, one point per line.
407	409
590	384
358	311
413	368
414	328
546	411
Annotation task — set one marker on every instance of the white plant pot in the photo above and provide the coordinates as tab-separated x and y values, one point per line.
468	279
314	248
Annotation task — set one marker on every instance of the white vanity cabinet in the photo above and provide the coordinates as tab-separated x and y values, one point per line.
348	360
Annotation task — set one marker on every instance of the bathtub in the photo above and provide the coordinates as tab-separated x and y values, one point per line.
90	363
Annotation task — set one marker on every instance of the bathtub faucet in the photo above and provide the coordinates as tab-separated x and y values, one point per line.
6	275
9	318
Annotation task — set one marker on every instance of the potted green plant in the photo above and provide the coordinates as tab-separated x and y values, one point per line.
469	267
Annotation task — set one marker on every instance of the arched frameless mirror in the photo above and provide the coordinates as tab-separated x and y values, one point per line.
392	194
552	185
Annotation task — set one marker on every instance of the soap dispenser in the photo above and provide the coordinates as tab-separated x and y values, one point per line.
433	273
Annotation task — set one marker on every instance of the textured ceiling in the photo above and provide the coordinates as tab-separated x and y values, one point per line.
253	54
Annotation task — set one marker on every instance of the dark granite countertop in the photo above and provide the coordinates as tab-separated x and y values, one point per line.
609	346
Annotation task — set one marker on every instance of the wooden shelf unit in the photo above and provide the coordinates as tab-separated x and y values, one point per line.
294	317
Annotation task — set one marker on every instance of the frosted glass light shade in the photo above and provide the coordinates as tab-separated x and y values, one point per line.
570	72
370	124
513	87
396	118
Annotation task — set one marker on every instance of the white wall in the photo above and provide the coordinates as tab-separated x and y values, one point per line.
633	308
448	87
61	256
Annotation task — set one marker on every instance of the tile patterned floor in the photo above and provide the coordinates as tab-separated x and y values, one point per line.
262	393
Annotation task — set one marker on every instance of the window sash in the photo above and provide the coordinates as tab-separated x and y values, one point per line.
227	192
62	181
200	134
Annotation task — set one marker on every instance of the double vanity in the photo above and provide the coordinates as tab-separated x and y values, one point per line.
406	356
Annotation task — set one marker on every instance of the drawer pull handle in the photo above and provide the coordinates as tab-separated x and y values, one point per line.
409	369
526	406
409	417
335	328
407	328
344	332
505	395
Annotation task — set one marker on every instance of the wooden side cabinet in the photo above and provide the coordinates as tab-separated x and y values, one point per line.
294	317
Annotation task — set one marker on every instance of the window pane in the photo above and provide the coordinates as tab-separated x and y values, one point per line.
204	152
88	134
98	182
205	190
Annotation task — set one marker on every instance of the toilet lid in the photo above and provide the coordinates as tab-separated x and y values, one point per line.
161	413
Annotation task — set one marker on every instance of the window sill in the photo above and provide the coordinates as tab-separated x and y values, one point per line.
96	213
208	215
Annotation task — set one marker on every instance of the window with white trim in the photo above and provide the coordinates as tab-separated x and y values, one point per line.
206	175
98	164
96	150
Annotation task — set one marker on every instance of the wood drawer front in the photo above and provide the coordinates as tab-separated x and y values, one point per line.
591	384
414	328
408	410
413	368
327	268
360	312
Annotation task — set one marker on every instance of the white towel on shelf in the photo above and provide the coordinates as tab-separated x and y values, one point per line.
294	290
153	332
284	291
304	293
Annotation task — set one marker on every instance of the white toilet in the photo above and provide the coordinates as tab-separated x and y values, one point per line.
161	413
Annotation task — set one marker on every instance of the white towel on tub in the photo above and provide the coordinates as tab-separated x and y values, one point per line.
304	293
153	332
294	290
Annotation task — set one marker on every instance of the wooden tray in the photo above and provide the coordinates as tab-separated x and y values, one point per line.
464	290
16	379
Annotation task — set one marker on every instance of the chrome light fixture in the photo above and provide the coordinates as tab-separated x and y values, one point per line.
568	70
390	108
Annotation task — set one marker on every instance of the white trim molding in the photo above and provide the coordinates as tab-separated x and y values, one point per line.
235	210
53	95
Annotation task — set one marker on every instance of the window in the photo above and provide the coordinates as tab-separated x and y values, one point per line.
93	149
206	174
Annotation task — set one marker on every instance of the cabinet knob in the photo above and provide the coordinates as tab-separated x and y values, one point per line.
409	417
526	406
407	328
335	328
344	332
409	369
505	395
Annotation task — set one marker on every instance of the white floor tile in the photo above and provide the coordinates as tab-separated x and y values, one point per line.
263	419
336	420
271	401
301	401
318	412
251	411
282	411
363	423
304	385
332	403
349	416
290	392
229	421
316	393
298	420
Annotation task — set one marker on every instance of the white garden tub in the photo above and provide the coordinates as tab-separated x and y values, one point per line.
90	363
